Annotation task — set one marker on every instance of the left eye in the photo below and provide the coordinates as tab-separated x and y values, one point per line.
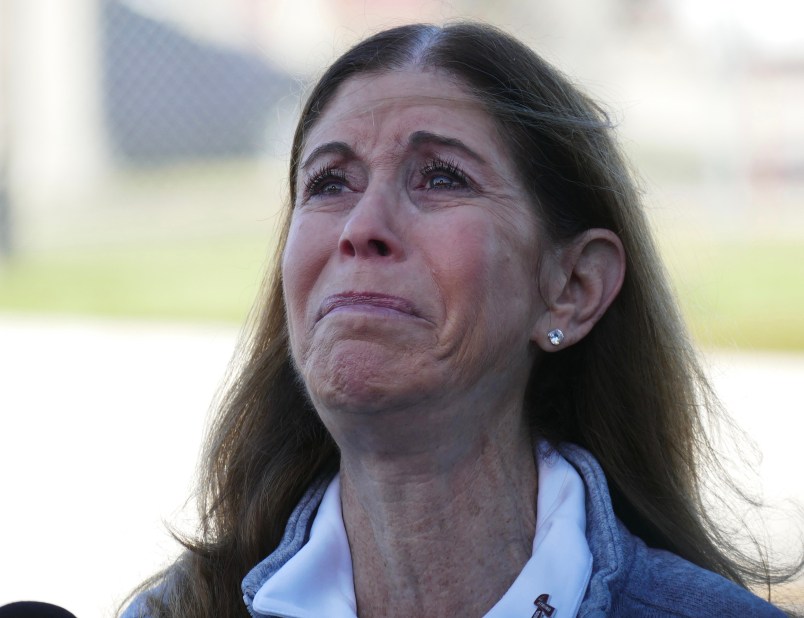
441	175
441	181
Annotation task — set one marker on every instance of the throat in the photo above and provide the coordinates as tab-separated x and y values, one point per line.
449	544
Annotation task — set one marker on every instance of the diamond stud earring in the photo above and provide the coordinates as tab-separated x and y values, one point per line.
556	336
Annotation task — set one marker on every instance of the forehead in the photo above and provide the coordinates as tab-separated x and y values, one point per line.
377	109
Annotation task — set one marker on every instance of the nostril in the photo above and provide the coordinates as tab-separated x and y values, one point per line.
348	248
380	247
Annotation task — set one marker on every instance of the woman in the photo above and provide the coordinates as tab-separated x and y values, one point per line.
467	391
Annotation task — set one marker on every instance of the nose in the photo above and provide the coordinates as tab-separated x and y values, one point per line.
372	228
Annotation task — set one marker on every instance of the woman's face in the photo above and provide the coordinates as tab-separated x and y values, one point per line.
410	271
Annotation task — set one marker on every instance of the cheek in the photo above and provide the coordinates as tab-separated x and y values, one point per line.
480	266
486	275
304	258
464	270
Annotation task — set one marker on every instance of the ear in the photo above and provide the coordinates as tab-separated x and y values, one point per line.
580	282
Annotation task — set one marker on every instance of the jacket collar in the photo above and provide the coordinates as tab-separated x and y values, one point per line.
611	545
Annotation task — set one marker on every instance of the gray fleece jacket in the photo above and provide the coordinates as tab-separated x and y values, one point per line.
628	577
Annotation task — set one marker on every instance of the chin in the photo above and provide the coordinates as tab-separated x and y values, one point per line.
357	376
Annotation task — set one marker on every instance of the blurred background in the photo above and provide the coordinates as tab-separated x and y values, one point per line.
143	145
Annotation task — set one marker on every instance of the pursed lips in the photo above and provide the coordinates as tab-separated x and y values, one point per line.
368	300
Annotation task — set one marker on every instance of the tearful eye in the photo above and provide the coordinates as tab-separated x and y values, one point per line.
440	182
330	186
326	181
441	175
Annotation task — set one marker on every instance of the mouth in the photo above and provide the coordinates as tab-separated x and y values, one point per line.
366	301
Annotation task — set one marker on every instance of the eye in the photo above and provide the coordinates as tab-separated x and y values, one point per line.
440	182
441	175
326	181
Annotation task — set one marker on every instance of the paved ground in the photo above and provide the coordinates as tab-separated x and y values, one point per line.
100	424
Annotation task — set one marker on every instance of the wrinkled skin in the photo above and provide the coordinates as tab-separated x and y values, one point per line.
410	268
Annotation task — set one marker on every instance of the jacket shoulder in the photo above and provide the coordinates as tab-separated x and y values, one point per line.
663	584
147	603
138	608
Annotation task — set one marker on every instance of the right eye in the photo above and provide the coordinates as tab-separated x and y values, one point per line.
326	181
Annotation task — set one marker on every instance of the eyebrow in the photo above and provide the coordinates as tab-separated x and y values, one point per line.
420	138
339	148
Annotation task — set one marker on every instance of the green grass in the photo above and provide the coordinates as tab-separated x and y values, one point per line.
198	280
744	294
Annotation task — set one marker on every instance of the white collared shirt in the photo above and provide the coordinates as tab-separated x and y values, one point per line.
318	581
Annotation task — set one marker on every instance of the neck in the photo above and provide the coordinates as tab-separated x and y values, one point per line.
440	532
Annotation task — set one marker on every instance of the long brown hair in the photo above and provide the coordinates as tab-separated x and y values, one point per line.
632	392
